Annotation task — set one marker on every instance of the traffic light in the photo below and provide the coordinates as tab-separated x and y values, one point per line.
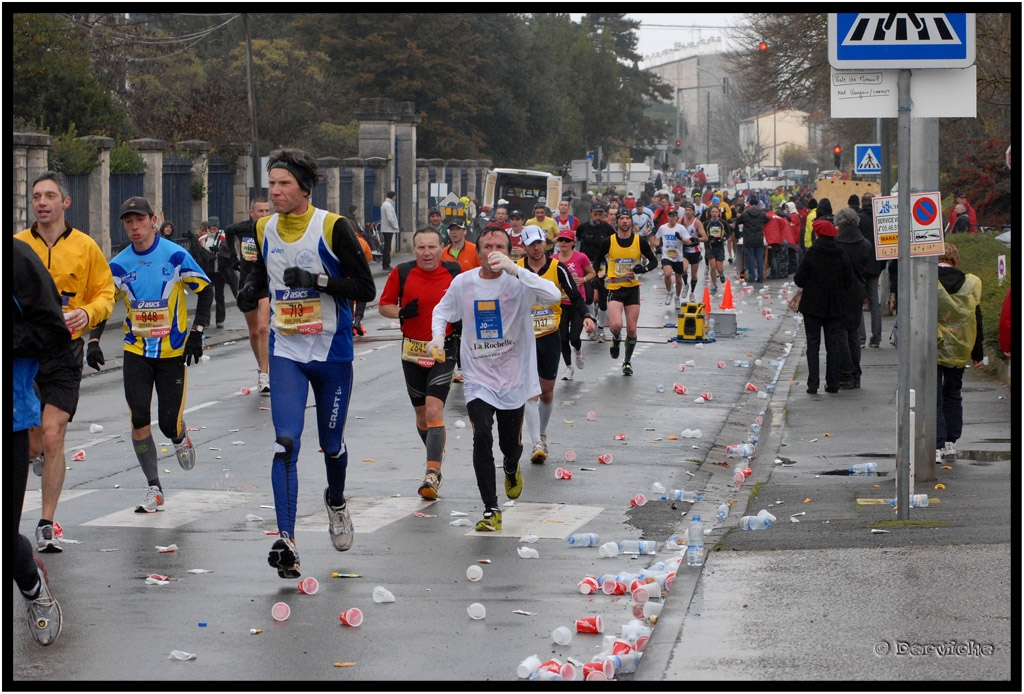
763	46
837	153
678	149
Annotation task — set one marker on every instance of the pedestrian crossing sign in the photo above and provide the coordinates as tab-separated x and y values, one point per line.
897	40
867	159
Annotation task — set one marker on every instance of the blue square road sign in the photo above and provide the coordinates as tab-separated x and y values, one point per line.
897	40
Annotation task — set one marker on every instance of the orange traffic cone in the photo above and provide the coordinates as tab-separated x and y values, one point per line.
707	300
727	304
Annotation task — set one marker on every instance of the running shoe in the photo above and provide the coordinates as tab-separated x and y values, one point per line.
263	383
592	335
580	361
627	369
341	529
186	453
539	454
44	615
938	456
949	450
600	334
615	348
714	288
569	373
514	484
284	557
668	299
48	538
431	483
154	499
491	522
37	465
677	301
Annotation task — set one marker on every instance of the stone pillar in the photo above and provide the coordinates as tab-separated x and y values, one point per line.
240	189
329	167
99	194
380	189
199	152
355	165
29	160
152	152
406	121
422	191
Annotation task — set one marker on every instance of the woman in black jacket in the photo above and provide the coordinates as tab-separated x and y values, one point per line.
858	249
825	275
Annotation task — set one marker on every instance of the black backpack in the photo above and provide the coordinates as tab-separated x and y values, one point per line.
405	268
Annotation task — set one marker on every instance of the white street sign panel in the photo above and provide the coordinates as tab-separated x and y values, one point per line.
901	40
1001	268
872	93
867	159
925	222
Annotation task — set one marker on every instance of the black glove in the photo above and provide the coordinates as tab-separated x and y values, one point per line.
236	265
193	348
247	300
639	269
410	310
297	278
94	356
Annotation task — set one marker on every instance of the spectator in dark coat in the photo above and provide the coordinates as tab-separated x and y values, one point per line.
874	269
825	275
858	250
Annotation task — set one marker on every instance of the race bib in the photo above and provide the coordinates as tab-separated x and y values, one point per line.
415	351
150	318
623	266
248	249
716	232
297	312
672	253
544	321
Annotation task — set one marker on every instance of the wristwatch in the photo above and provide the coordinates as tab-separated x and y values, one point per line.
198	329
321	281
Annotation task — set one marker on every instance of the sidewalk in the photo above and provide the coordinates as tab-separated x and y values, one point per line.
826	597
112	342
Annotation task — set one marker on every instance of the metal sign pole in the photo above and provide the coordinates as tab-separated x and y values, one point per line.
904	431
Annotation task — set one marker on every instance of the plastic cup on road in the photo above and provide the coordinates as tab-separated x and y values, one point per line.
280	611
351	617
608	549
309	586
588	586
382	594
590	625
652	609
591	416
613	587
567	670
561	635
605	459
603	668
641	594
563	474
476	611
527	666
474	573
638	500
570	456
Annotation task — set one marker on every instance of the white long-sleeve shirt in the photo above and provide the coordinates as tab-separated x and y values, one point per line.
498	349
388	217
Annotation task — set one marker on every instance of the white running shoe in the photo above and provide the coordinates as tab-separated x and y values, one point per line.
263	383
668	298
539	454
677	301
580	362
341	529
44	614
37	465
154	499
949	450
186	453
569	373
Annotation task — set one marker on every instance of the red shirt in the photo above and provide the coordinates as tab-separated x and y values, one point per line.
428	287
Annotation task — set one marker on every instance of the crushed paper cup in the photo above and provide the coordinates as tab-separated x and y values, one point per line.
168	548
563	474
751	387
619	437
78	456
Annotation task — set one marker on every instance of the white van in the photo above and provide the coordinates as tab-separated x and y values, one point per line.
523	189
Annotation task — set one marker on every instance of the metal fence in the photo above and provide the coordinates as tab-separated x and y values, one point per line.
122	187
78	214
177	202
220	181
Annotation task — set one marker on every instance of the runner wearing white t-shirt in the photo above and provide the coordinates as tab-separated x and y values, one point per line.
669	239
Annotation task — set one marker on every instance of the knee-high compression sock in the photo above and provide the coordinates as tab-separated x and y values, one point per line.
337	467
616	338
693	285
630	346
145	451
285	480
422	433
531	416
435	439
545	409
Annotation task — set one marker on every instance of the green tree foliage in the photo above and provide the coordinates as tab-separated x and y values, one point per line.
53	82
126	159
72	155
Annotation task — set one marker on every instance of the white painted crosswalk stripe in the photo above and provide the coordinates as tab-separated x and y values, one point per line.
180	508
34	498
368	513
546	521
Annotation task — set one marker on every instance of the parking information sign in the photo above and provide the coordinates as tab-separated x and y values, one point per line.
925	220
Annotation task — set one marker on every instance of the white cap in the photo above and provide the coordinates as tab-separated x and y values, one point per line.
502	201
532	234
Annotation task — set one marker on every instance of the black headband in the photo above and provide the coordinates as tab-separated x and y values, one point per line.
305	179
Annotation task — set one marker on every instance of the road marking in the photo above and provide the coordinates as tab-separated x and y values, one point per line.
547	521
197	407
180	508
369	513
34	498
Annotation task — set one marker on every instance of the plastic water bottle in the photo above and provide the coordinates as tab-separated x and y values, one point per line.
916	501
764	514
638	547
740	450
584	540
682	495
756	428
863	468
695	543
722	512
755	523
